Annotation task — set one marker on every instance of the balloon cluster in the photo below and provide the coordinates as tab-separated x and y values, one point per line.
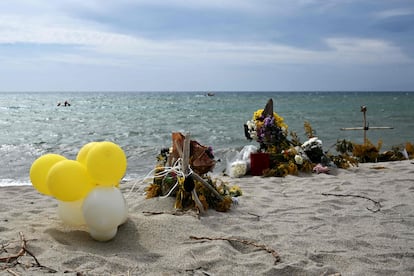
87	189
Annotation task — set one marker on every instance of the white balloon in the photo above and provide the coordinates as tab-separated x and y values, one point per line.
103	235
125	218
104	209
70	212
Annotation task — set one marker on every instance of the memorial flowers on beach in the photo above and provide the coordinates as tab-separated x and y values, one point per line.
182	171
269	129
277	155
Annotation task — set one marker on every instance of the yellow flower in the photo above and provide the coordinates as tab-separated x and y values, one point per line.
278	119
282	170
153	190
257	114
272	149
292	168
235	191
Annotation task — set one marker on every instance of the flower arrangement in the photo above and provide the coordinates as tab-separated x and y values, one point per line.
290	161
286	156
267	128
291	156
313	149
194	189
352	153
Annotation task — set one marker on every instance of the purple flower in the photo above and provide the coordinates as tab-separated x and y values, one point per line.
269	121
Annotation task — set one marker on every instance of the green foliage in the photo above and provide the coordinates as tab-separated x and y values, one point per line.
344	146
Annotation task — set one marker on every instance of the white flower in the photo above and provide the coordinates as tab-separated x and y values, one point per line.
238	169
313	140
251	125
253	135
298	159
312	143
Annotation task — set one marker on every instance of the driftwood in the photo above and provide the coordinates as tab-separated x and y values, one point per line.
12	259
208	186
173	213
376	203
185	167
186	154
246	242
188	175
186	170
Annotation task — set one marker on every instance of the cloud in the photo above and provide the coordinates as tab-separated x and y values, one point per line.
365	51
88	44
45	30
236	43
84	41
385	14
240	5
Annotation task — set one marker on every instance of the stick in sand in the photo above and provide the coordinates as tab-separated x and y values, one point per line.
376	203
23	250
261	246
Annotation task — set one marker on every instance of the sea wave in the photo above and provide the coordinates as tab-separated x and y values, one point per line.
142	123
13	182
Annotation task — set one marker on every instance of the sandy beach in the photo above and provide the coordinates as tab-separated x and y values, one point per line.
358	221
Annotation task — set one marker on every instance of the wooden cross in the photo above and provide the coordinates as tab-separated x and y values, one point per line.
185	167
366	126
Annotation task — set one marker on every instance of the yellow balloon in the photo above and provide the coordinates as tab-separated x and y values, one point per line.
106	163
68	180
83	152
40	168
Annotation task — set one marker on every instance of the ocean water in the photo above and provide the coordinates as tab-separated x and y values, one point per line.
141	123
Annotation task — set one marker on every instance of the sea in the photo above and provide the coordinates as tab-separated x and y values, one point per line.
141	123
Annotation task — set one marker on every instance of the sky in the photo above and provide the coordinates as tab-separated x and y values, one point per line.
207	45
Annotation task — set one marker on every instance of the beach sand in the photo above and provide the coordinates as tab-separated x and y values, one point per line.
304	219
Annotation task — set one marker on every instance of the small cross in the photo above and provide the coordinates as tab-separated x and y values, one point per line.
366	126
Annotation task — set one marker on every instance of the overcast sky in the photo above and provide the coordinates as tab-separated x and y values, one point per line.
206	45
